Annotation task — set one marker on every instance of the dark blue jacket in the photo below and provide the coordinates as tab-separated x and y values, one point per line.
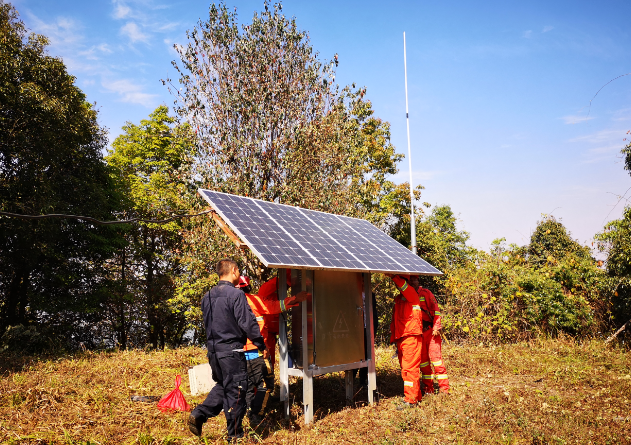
228	319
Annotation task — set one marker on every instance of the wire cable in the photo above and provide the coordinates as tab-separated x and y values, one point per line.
96	221
590	102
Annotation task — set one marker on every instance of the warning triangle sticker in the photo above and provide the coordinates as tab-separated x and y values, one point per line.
340	324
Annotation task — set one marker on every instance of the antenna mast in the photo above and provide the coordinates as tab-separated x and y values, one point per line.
407	118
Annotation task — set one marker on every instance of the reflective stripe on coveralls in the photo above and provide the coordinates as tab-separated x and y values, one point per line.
409	354
405	319
431	352
406	331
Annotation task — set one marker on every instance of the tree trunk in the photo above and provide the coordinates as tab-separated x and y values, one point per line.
10	310
123	328
150	293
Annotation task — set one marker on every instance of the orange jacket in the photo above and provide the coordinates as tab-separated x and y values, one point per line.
269	292
262	307
430	308
406	314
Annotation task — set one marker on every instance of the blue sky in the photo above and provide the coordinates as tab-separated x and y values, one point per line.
499	92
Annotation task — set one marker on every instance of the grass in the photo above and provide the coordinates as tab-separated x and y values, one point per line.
541	392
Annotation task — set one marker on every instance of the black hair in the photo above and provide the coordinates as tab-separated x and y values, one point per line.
224	267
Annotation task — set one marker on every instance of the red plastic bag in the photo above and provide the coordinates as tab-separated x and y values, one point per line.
174	400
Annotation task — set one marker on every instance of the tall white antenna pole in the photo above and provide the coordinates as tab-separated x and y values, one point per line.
407	118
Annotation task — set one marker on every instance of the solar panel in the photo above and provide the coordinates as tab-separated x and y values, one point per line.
283	236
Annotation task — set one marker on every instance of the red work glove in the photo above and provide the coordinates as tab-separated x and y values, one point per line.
295	300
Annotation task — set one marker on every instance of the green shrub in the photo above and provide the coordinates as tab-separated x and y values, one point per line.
505	296
25	340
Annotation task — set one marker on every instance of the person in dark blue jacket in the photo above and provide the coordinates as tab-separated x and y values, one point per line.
229	323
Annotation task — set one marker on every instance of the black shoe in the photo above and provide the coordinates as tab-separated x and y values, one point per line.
406	405
195	425
255	420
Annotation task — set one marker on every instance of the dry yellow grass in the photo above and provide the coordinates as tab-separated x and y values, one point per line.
542	392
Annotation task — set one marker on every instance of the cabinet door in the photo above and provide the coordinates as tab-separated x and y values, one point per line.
339	317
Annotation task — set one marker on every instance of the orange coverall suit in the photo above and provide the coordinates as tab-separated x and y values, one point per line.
269	292
432	344
406	331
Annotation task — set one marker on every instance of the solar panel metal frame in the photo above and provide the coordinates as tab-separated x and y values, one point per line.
310	215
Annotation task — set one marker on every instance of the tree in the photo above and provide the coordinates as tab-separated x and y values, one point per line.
440	242
552	240
626	151
272	124
550	286
615	241
152	163
50	162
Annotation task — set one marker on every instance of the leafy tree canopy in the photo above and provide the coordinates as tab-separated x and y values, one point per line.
626	151
50	162
615	242
151	163
551	240
271	123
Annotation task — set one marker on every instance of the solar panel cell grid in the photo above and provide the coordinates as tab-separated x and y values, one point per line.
289	236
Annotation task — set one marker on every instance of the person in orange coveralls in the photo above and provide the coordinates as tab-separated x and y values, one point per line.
432	342
260	374
269	292
406	331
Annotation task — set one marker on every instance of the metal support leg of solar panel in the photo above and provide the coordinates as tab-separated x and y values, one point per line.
332	257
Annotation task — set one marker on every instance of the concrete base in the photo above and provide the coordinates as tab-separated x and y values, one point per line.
200	379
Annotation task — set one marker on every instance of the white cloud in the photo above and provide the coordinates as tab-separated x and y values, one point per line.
167	26
622	115
527	34
169	43
104	48
62	32
601	136
130	92
601	145
576	119
94	51
418	176
121	10
547	29
132	30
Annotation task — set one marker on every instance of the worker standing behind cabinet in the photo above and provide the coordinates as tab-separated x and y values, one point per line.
260	374
432	355
406	332
229	323
269	292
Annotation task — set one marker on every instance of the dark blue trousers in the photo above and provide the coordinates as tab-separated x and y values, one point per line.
261	384
231	377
